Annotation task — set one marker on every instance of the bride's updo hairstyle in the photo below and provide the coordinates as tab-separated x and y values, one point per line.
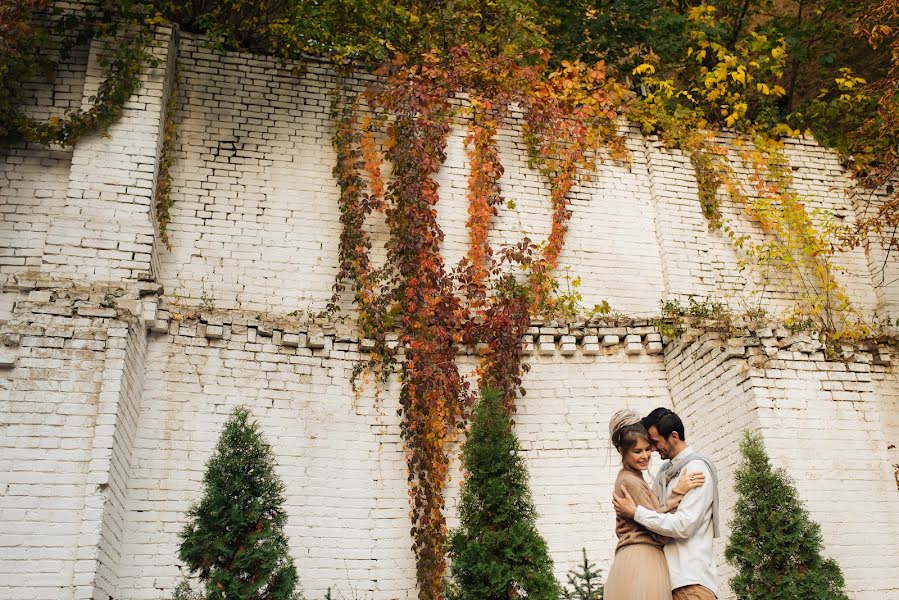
625	429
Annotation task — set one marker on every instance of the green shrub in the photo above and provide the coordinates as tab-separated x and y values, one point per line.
584	581
774	545
497	552
235	539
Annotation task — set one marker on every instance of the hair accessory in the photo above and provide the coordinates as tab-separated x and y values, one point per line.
620	419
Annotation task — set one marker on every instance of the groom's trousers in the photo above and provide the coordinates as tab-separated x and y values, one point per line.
693	592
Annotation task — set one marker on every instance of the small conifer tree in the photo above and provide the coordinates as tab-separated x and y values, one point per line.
584	581
497	552
235	540
184	592
774	545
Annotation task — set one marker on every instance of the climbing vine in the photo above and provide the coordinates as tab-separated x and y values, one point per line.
483	302
572	115
19	33
163	193
484	194
434	398
736	86
798	242
354	263
37	34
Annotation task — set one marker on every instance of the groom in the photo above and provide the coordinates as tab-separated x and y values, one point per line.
690	554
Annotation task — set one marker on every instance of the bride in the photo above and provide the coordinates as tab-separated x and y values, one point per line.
639	570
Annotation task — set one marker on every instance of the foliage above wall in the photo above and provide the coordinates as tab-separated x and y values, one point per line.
872	142
35	36
684	71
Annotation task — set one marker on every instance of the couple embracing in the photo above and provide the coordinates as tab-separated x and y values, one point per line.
665	532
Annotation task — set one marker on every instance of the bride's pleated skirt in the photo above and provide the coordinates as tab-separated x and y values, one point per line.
639	572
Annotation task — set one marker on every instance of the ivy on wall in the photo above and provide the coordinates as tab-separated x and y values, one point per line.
163	193
494	54
736	87
488	299
35	31
38	31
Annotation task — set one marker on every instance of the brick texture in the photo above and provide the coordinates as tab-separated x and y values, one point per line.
820	420
34	180
120	360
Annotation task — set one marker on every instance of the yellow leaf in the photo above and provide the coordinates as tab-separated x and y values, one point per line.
782	129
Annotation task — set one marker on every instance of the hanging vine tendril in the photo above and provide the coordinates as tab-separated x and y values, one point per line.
129	25
432	308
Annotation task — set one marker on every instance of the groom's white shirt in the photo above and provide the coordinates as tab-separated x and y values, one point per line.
690	554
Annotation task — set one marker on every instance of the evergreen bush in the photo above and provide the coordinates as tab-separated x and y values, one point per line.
235	539
774	545
584	581
497	552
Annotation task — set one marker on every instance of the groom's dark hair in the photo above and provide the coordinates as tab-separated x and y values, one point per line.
666	421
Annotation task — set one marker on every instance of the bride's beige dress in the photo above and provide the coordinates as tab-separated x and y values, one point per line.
639	571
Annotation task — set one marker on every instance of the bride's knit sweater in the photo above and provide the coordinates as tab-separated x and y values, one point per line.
629	531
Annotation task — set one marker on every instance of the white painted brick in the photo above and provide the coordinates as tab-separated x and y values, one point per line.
254	228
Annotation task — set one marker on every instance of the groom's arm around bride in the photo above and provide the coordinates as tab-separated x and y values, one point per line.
690	554
691	512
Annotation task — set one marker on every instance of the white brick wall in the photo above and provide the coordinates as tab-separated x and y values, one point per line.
341	457
105	231
705	263
819	178
624	270
690	267
110	466
255	202
48	404
255	207
340	460
34	180
819	419
884	271
886	386
107	427
33	185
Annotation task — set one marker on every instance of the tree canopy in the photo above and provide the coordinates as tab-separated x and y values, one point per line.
835	59
680	69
